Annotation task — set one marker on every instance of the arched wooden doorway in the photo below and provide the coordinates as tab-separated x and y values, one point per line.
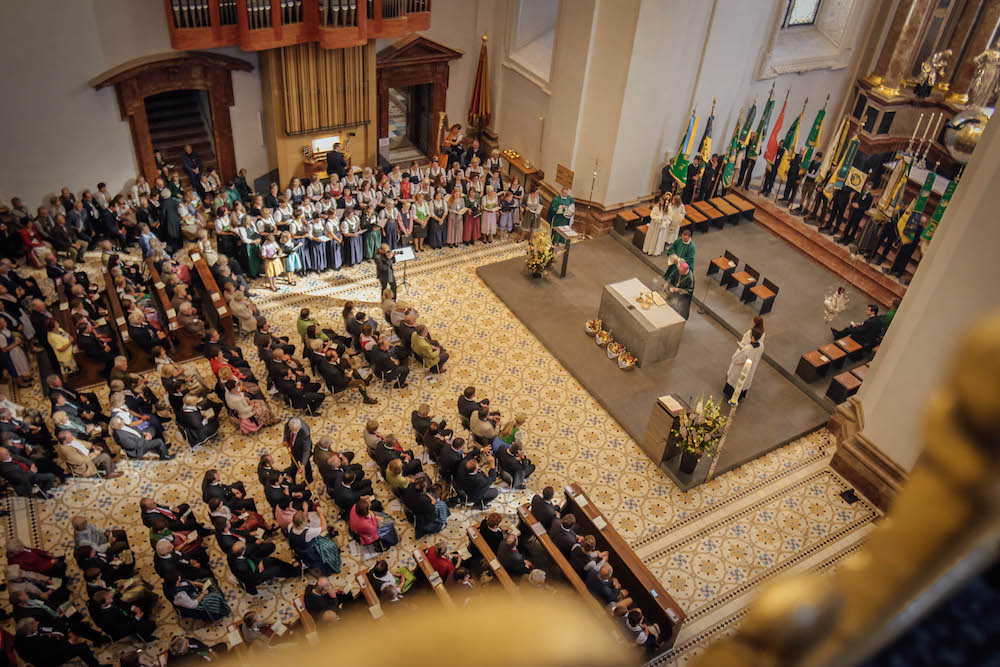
136	80
420	66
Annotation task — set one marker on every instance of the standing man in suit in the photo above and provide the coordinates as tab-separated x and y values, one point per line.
336	163
864	333
748	163
383	268
809	187
837	206
694	169
906	250
771	173
860	203
299	442
792	178
708	177
170	222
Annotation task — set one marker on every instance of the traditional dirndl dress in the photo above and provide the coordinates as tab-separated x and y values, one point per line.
373	236
335	255
248	234
507	209
456	222
392	228
354	250
518	197
488	218
273	264
317	249
293	256
471	225
438	231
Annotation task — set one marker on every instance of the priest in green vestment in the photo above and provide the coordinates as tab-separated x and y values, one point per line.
680	287
682	249
562	209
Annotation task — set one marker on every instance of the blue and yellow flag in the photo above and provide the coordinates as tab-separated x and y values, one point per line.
680	169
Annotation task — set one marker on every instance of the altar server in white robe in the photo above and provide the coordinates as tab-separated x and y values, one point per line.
655	235
674	219
752	351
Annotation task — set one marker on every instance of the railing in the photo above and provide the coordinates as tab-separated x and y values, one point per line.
254	25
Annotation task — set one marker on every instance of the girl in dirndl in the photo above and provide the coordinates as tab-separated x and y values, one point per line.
421	217
298	229
405	224
251	246
292	250
274	266
471	225
373	231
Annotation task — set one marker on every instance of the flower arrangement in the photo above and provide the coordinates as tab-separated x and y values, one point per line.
603	338
834	303
626	361
540	254
615	349
593	326
699	430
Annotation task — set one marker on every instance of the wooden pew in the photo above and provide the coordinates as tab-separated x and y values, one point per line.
90	370
433	578
236	644
712	214
533	526
491	561
812	366
698	222
730	212
645	590
216	310
308	622
745	208
139	359
187	345
371	597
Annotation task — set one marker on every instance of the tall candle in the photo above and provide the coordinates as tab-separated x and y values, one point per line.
742	381
927	128
937	125
916	127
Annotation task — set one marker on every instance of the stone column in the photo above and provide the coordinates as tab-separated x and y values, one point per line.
963	27
978	41
878	431
901	43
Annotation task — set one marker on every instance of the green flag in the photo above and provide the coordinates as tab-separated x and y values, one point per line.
846	162
748	123
939	211
908	222
734	148
790	144
680	169
765	119
814	140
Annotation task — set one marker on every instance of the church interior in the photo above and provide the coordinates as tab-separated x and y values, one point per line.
327	318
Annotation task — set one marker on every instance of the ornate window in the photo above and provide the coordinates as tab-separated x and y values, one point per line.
801	12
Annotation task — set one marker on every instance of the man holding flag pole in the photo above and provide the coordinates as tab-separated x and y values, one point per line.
791	160
771	155
709	169
685	174
810	160
751	140
729	166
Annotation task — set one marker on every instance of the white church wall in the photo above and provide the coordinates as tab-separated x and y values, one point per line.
674	39
61	132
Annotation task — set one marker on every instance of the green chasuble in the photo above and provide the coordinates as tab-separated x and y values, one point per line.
683	250
557	219
675	279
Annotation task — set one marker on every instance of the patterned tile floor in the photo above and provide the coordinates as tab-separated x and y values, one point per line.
711	546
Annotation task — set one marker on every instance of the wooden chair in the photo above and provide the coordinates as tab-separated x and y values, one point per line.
697	221
747	278
766	293
745	208
843	387
727	264
837	356
730	213
812	366
853	349
639	236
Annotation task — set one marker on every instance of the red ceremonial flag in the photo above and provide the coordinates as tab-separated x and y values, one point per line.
772	143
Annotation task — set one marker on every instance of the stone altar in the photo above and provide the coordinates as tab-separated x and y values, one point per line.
651	334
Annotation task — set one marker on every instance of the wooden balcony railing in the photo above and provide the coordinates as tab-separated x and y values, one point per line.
254	25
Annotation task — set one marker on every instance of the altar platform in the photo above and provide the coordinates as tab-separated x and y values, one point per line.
556	311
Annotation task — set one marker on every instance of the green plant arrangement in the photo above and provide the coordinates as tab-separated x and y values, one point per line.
699	429
540	254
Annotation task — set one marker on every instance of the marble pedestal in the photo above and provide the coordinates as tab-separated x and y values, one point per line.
651	334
